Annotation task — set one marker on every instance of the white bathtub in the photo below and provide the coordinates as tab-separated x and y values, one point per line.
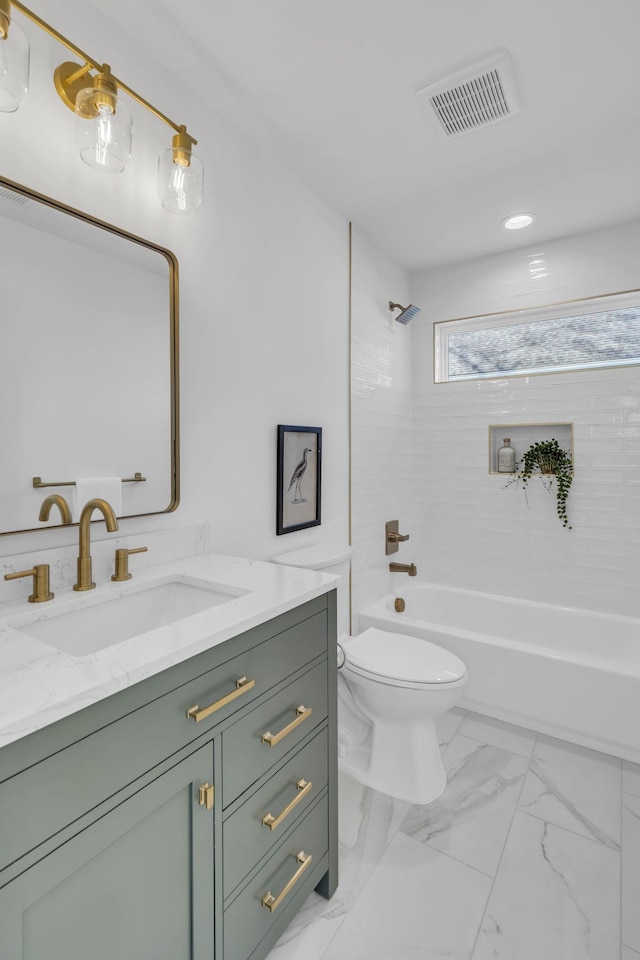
570	673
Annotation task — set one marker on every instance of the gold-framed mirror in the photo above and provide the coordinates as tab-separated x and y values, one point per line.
88	361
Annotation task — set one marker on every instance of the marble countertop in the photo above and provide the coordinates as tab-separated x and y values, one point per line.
40	685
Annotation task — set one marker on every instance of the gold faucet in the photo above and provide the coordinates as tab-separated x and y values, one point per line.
55	499
84	560
409	568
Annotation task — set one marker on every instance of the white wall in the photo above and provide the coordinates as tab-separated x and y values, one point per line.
263	288
473	532
381	384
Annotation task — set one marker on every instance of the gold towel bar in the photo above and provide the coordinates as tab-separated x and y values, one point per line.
38	481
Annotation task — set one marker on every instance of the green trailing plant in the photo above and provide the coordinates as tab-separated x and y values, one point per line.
556	469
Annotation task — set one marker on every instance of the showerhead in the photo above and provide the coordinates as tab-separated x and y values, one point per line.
408	313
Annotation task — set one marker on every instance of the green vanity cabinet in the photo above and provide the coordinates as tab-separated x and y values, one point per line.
123	887
131	830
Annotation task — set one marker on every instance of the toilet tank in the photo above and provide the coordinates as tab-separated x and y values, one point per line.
327	558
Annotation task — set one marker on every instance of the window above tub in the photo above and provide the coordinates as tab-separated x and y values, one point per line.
576	335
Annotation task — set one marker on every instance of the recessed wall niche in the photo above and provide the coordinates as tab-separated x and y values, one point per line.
522	435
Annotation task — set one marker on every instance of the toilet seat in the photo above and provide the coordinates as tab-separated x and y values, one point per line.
402	660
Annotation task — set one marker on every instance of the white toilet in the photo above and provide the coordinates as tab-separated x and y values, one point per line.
391	686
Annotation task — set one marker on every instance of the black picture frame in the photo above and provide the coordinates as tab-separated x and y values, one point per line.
299	478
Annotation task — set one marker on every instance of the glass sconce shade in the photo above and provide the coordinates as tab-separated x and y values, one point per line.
14	65
180	185
103	131
103	121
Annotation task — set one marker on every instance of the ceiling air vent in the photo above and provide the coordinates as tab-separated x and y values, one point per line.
14	197
475	97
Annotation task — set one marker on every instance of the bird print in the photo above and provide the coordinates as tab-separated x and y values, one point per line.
297	476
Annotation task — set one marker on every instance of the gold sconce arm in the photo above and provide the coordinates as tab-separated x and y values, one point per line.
68	75
39	22
104	122
5	18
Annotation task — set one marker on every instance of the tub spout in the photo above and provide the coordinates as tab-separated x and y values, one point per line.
409	568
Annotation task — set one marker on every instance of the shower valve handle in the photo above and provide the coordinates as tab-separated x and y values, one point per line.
397	537
393	537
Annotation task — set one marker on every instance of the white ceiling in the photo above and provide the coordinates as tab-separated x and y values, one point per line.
336	80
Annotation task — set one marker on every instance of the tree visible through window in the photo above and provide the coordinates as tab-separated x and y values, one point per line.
504	345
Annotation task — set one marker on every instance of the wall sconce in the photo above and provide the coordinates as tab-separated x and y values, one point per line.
14	61
104	123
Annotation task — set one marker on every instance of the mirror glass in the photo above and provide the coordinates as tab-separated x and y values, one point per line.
88	362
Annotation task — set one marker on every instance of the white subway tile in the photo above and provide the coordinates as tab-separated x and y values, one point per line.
426	452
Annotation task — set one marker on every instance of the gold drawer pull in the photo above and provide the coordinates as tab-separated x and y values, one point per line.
301	714
272	903
242	685
303	786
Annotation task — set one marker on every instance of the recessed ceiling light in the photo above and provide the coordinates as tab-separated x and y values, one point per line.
518	221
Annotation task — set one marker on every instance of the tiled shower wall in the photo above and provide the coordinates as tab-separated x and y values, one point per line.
380	419
468	528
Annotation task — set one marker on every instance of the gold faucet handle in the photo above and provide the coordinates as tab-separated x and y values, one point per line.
122	562
397	537
40	574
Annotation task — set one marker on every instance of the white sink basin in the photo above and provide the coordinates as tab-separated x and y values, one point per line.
95	626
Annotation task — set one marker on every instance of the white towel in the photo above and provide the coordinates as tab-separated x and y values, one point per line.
87	488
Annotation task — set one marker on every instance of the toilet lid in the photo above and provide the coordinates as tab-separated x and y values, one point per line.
401	657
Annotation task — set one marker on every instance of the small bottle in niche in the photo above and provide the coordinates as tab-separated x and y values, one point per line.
506	457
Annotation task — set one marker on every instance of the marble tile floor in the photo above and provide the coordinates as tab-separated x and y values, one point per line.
531	853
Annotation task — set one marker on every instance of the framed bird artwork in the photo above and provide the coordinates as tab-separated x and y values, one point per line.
299	478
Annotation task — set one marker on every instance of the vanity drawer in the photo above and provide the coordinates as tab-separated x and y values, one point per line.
54	793
282	800
264	735
217	695
246	920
